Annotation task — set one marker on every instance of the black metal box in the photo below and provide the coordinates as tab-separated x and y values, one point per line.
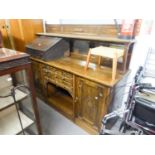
48	48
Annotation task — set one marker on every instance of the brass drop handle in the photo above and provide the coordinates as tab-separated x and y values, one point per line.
96	97
100	94
76	99
56	74
80	85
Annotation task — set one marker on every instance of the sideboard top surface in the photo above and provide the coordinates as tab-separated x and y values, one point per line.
95	73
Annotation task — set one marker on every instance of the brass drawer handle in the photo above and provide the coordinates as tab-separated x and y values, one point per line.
96	97
76	99
44	69
100	94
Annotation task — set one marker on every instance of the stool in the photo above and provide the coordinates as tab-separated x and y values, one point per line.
107	52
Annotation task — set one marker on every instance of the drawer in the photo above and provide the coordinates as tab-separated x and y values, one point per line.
58	73
67	75
62	84
59	77
45	70
64	80
69	84
58	80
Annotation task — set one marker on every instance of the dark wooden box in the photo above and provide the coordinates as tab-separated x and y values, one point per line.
48	48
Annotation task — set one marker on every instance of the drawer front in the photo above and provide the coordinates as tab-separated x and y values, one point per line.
58	77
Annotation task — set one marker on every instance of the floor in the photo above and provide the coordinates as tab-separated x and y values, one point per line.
53	123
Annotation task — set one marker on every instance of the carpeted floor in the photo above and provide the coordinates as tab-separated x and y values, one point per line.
53	123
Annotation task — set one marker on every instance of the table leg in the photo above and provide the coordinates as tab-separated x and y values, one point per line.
34	102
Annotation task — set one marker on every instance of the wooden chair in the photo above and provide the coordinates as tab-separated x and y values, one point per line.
107	52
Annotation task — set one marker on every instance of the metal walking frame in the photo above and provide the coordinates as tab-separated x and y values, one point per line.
136	108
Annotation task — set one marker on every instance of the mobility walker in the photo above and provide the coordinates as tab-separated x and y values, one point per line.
138	117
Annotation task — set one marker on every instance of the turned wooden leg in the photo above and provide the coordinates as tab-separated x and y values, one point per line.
88	59
114	67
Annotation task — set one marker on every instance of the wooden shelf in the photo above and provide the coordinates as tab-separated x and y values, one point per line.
7	101
62	102
9	122
87	37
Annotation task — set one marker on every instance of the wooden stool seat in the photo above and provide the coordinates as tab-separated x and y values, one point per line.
107	52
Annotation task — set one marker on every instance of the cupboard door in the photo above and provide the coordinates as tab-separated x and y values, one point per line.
90	101
6	36
23	31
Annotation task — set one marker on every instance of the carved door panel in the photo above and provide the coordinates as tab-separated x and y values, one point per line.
90	99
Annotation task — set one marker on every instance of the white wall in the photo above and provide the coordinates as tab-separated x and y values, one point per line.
143	42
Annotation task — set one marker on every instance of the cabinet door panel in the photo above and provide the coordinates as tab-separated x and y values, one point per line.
6	37
90	99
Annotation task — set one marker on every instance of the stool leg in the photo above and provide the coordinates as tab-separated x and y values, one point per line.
99	60
114	67
88	59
